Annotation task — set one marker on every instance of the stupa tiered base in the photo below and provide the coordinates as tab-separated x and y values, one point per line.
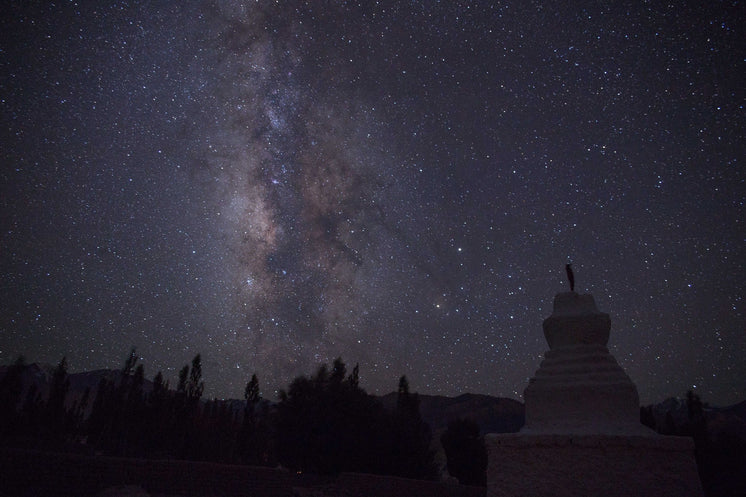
582	389
583	435
579	387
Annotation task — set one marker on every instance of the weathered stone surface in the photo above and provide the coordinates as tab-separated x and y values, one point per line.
591	465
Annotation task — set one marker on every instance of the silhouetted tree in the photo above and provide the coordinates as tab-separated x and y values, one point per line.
133	423
325	424
300	425
102	415
195	386
129	365
339	370
78	414
11	391
403	398
187	410
31	414
696	425
251	447
670	427
466	452
117	423
354	377
217	429
412	436
159	418
719	460
128	406
183	376
55	413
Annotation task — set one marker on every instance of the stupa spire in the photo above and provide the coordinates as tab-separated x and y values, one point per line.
570	276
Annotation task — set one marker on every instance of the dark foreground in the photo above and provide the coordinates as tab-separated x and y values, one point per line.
27	473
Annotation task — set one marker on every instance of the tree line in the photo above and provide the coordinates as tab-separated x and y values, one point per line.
324	423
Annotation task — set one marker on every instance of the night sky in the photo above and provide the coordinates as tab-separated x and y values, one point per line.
275	184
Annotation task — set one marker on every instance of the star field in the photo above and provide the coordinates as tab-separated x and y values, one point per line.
275	184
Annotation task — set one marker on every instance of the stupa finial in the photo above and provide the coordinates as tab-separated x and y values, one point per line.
570	276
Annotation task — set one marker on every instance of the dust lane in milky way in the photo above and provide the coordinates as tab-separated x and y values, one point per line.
274	185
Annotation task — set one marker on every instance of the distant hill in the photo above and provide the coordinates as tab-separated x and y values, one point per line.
34	374
722	422
41	376
492	414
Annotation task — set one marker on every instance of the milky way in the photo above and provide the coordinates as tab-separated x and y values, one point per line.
275	184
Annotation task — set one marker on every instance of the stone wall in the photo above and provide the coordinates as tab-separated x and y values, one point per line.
591	465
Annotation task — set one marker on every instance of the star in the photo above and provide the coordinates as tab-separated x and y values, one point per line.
275	187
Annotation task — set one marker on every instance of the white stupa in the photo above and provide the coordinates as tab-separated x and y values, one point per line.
579	387
583	434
